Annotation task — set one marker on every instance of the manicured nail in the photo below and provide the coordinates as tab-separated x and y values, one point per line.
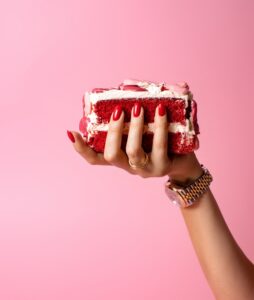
137	109
117	112
71	136
161	109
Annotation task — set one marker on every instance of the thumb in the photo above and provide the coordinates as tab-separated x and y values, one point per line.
80	145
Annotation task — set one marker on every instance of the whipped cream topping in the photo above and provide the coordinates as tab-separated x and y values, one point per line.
123	94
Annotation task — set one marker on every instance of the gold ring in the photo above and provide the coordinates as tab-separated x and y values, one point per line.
140	165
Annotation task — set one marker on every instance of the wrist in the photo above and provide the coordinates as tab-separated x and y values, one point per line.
188	176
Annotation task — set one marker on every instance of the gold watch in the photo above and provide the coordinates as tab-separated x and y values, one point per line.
186	196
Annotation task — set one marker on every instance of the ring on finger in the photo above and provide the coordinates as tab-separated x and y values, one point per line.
140	165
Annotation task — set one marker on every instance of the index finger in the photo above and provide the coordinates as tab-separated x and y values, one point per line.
87	152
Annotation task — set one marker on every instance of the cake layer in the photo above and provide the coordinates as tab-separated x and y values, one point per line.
176	109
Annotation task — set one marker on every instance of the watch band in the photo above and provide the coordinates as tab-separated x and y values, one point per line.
188	195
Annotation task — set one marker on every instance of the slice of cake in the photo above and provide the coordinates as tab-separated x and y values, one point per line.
183	128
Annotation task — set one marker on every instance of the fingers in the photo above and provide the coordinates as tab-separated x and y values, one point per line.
112	151
159	155
158	161
134	148
85	151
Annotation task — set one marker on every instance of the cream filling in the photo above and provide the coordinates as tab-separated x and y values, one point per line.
150	127
188	130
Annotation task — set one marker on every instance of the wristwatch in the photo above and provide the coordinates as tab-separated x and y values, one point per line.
186	196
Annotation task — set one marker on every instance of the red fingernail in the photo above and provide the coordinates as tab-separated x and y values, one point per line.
71	136
117	112
161	110
137	109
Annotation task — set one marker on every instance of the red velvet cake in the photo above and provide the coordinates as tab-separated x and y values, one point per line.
183	128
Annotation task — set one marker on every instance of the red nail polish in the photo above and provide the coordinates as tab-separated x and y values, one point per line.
137	109
71	136
161	109
117	112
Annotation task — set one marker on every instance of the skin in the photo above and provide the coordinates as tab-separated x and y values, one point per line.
228	271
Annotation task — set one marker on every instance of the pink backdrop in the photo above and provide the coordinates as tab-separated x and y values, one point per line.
69	230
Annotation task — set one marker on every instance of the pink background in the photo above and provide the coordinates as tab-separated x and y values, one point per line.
69	230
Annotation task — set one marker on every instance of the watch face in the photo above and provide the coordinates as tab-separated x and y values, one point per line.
173	196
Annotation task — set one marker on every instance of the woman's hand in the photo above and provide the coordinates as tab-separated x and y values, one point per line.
229	272
182	169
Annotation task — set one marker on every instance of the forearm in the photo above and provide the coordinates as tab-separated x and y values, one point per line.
229	272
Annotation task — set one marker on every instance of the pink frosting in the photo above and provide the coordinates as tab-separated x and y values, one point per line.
138	85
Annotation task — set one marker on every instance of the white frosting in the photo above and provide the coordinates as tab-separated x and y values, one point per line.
154	92
93	117
150	127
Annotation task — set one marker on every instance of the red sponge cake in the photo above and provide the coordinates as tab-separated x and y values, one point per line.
181	108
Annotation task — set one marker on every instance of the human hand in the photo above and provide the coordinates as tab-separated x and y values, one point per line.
181	168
